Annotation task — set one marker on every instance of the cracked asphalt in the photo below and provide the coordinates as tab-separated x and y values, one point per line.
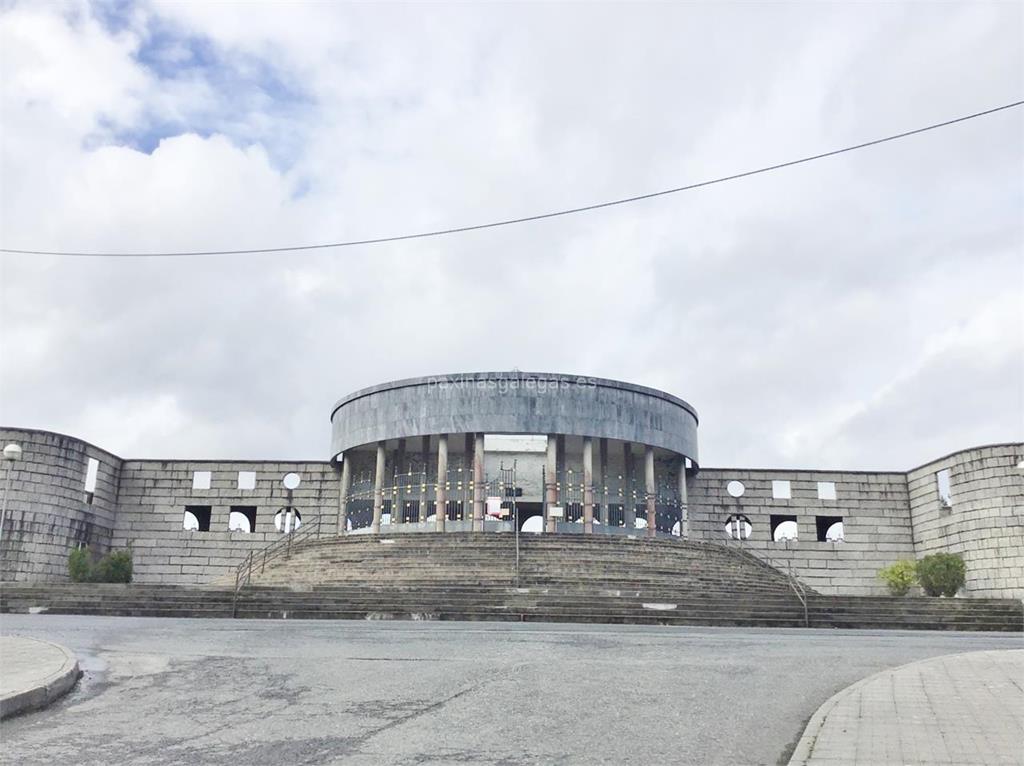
178	691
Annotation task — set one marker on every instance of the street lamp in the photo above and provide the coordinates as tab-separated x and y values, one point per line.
12	453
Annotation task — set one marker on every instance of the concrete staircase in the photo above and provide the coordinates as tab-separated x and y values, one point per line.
561	578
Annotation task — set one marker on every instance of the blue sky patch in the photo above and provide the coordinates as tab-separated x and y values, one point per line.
248	98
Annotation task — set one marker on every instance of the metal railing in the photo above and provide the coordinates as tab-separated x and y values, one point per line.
277	549
798	588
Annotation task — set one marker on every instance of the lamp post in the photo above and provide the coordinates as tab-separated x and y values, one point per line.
12	453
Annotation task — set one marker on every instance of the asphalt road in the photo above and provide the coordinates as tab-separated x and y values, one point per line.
162	691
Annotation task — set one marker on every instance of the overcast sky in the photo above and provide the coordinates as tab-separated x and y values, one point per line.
863	311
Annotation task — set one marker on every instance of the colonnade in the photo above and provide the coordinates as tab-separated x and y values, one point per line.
555	455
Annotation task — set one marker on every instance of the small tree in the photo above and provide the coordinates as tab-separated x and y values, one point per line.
900	577
80	565
941	574
116	566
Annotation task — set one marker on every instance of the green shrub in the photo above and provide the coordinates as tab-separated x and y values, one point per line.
80	565
899	577
941	574
116	566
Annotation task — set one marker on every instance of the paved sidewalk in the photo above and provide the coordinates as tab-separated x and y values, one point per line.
33	674
961	709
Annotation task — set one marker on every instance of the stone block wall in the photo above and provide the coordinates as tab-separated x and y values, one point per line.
49	512
154	495
873	507
984	522
141	504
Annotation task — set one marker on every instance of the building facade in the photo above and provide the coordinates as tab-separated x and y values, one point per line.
490	452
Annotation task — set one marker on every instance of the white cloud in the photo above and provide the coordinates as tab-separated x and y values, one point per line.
818	315
68	68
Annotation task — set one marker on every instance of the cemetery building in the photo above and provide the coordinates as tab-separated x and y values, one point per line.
489	453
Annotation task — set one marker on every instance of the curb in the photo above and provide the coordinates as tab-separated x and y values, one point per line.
802	752
47	690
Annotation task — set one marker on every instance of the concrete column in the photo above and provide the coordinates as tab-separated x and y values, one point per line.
398	498
601	477
562	456
629	476
466	498
378	489
421	511
561	474
588	485
650	490
478	483
343	490
441	510
550	481
684	511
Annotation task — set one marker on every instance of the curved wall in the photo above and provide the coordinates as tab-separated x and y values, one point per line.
49	512
139	504
984	522
515	403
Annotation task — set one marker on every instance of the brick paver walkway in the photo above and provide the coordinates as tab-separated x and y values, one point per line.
958	709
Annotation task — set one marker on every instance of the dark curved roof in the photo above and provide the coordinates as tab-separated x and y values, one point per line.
514	402
513	375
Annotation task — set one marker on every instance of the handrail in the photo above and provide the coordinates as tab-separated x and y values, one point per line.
798	588
283	546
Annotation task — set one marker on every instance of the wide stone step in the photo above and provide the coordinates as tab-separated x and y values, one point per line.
833	605
561	578
567	600
527	565
555	610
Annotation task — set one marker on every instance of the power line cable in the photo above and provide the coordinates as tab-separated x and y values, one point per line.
524	219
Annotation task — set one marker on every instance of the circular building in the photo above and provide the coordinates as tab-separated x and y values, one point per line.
499	450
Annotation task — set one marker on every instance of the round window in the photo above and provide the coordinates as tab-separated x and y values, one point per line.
738	527
735	488
287	522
